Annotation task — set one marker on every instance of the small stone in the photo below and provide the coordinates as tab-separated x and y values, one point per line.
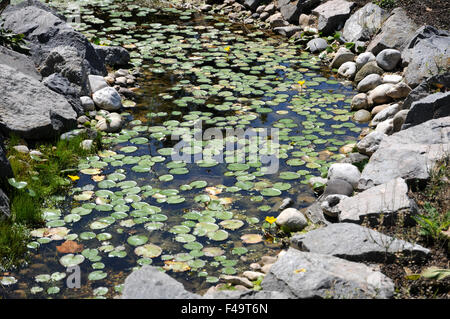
291	220
362	116
399	119
236	280
388	59
110	80
363	59
347	70
343	55
344	171
268	260
360	101
96	83
317	45
377	109
87	103
255	266
368	68
399	91
391	78
369	82
87	145
108	99
121	80
121	72
386	127
266	268
338	186
82	119
253	275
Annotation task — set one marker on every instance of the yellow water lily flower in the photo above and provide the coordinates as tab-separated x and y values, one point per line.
227	49
301	82
73	178
270	219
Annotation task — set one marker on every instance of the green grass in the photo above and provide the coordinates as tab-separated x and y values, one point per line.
45	176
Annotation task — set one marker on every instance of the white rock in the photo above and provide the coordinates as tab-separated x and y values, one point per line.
369	82
364	58
87	144
253	275
108	99
379	94
344	171
291	220
391	78
347	70
96	83
110	123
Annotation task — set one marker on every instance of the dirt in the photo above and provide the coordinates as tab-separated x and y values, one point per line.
431	12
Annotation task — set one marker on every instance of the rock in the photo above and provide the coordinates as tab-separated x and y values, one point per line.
205	8
82	119
253	4
332	15
399	91
291	220
270	8
368	68
30	109
395	33
291	10
354	158
306	20
369	82
385	127
426	87
150	283
266	268
21	149
370	143
330	204
363	59
360	101
346	172
87	145
71	134
263	16
362	116
315	179
377	109
347	70
236	280
96	83
315	214
107	99
18	61
434	106
388	59
260	9
338	186
287	31
426	54
342	55
387	199
282	204
36	153
391	78
121	80
114	56
61	85
111	124
364	23
408	154
253	275
399	119
308	275
317	45
255	266
87	103
385	114
276	20
5	210
355	243
379	94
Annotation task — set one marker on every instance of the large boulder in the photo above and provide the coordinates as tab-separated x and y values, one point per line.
18	61
408	154
150	283
113	56
300	275
344	171
31	110
395	33
364	23
61	85
427	87
54	45
332	15
291	10
434	106
387	200
426	55
355	243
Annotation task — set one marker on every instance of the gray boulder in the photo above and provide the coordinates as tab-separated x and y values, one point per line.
338	186
342	55
395	33
308	275
355	243
369	82
291	220
332	15
409	154
346	172
364	58
388	59
370	143
96	83
150	283
317	45
61	85
434	106
114	56
426	54
427	87
387	199
364	23
291	10
31	110
18	61
108	99
287	31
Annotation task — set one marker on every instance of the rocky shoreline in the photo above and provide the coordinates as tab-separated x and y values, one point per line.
403	80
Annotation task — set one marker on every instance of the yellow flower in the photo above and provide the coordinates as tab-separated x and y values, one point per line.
299	270
227	49
270	219
73	178
301	82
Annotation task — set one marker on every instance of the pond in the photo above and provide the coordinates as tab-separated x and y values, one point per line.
201	216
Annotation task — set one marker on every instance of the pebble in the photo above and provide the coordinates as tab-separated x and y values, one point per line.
22	149
252	275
